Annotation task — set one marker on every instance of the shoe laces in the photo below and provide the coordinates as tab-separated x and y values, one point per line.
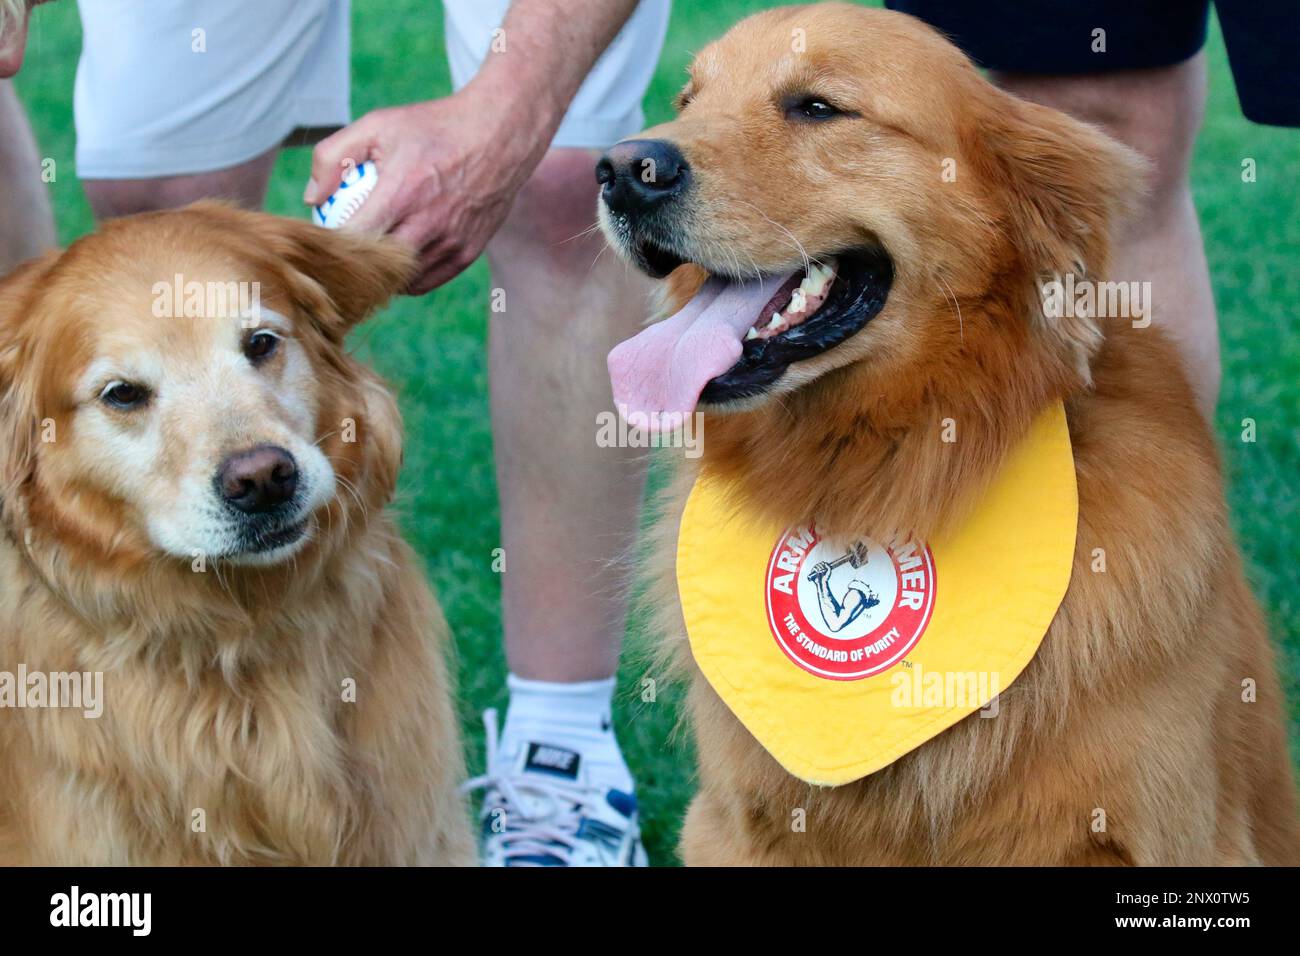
555	808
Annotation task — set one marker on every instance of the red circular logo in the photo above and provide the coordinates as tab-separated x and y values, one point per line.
847	613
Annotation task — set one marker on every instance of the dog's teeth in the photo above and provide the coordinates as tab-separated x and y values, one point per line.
797	300
815	282
775	324
751	334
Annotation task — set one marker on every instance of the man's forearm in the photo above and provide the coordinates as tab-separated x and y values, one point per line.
534	68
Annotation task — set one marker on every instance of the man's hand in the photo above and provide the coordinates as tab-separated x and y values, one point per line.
449	169
447	177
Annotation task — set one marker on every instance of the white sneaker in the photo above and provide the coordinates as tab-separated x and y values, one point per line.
544	812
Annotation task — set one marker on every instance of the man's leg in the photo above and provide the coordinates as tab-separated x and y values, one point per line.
26	224
1157	112
244	184
568	508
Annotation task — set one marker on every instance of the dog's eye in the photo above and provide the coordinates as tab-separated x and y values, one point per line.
260	346
811	108
124	395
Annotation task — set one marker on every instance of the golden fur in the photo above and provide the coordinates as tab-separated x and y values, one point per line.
1134	704
224	689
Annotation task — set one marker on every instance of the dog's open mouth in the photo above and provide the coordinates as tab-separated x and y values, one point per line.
654	260
736	338
826	305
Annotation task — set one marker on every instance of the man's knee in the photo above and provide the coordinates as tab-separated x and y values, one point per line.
110	198
1157	112
244	185
554	214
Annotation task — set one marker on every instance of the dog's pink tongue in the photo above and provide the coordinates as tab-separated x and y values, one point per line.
658	375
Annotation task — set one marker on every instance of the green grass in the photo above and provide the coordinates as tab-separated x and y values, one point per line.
431	350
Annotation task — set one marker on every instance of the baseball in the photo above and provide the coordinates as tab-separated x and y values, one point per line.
347	199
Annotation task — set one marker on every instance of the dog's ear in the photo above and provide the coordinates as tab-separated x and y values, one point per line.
18	400
356	274
338	277
1068	188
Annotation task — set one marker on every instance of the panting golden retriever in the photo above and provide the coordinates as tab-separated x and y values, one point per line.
809	156
197	567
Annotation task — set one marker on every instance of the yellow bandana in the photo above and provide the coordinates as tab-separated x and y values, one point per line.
839	661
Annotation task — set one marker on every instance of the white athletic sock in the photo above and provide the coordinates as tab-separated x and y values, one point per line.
573	716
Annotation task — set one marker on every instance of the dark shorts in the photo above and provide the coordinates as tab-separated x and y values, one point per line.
1057	37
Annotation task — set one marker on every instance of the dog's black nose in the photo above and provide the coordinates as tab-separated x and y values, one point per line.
258	479
639	174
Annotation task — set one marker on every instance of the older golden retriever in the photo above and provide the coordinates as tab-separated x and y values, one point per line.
937	205
194	478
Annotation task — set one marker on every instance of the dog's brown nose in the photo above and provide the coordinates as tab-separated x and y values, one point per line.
258	479
637	175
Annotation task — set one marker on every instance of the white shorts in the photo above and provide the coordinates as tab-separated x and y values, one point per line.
173	87
608	104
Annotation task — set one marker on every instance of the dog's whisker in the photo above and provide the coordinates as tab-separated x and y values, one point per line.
352	490
952	296
794	240
603	249
594	227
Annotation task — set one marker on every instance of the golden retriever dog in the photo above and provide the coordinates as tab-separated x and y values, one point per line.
812	143
194	483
